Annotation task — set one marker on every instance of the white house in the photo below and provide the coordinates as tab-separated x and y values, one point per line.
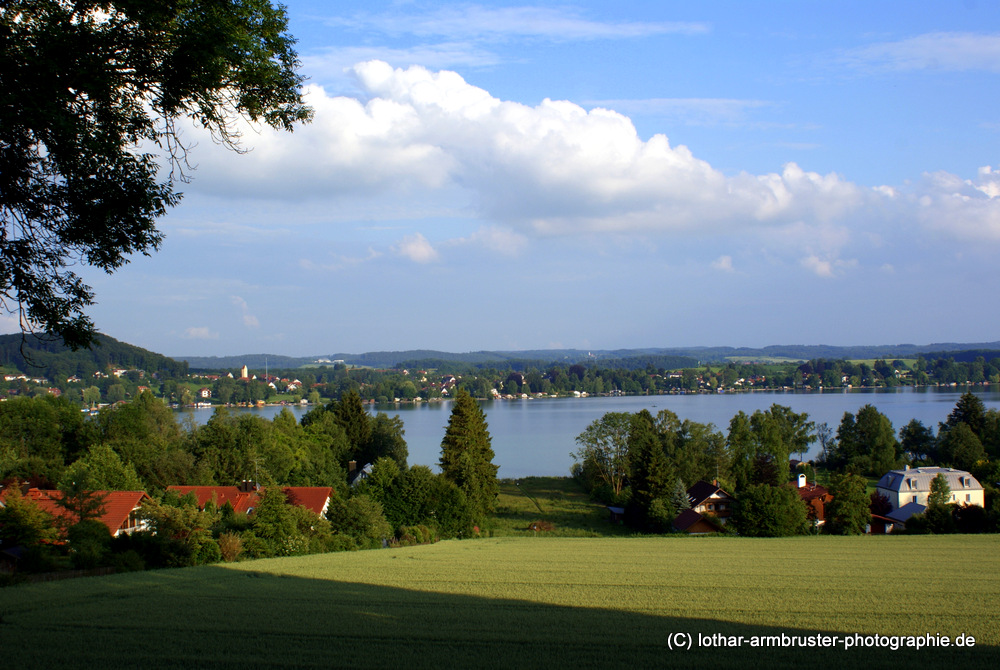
914	485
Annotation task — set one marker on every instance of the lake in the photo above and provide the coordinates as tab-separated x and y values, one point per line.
535	437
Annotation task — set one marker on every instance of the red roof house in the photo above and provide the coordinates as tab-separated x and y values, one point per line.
121	508
816	498
245	498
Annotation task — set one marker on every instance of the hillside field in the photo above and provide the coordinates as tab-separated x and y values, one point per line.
522	602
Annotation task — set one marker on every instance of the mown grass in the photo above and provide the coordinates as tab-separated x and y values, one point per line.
549	506
523	603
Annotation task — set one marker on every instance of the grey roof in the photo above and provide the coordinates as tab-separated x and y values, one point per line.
906	511
918	480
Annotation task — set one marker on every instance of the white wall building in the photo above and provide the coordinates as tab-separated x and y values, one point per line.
914	485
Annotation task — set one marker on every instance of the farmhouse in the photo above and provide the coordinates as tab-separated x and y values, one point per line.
710	508
708	498
121	508
913	485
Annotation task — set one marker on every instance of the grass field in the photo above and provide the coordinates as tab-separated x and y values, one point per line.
555	506
525	602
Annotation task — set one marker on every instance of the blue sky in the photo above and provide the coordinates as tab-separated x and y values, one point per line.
596	175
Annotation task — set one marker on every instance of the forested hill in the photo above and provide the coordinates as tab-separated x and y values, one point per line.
669	358
49	357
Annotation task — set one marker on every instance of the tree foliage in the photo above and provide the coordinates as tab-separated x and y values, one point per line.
866	443
603	452
770	511
91	92
467	455
850	510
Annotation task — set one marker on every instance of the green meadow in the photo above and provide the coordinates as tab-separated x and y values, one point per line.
527	602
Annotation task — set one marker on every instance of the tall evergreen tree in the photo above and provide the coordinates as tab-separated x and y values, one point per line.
467	455
650	474
352	417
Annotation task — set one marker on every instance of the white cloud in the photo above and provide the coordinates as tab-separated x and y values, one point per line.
249	320
340	262
497	238
429	140
723	263
417	249
200	333
496	23
823	268
827	267
948	51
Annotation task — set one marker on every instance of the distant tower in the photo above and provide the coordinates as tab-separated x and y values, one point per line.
244	373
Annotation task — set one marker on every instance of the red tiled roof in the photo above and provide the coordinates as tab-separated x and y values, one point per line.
810	491
313	498
242	501
117	506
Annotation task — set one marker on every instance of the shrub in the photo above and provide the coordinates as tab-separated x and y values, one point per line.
230	546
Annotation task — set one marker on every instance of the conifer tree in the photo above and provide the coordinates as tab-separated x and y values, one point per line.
467	455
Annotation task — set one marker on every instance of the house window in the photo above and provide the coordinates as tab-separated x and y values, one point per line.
914	498
968	497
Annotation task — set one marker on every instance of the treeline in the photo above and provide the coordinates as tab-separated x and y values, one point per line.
47	444
645	463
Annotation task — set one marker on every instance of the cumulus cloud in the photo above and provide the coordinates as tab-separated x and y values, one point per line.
416	248
724	263
558	169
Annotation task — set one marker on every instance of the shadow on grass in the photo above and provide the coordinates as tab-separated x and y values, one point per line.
240	618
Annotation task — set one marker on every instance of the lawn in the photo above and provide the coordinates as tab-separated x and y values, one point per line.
523	602
549	506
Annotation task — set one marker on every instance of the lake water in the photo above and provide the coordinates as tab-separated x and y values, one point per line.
535	437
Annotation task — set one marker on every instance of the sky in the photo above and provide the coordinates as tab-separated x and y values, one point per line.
595	175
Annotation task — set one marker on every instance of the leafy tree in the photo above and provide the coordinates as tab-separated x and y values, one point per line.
940	491
274	527
22	522
81	501
359	518
88	89
604	450
386	440
917	441
180	534
102	469
849	512
969	410
878	503
770	511
467	455
866	443
959	447
89	543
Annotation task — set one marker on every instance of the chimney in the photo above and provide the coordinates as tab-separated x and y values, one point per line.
351	467
802	481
